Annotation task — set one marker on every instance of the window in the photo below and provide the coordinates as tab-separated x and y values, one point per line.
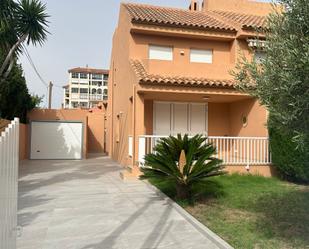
259	56
93	91
105	83
105	77
83	75
105	92
75	75
201	56
160	53
99	91
74	90
97	76
74	104
83	90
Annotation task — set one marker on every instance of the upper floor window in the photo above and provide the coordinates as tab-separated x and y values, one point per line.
83	75
74	90
83	90
259	56
160	53
201	55
97	76
75	75
105	77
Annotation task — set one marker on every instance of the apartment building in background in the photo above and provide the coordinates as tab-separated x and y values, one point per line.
86	88
171	73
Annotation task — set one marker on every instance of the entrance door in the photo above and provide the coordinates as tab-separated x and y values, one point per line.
171	118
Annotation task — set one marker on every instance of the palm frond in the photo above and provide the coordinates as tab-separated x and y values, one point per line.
197	165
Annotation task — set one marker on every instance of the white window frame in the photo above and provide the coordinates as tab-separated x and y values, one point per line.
205	56
159	52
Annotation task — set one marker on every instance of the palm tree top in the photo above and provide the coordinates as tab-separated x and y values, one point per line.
32	21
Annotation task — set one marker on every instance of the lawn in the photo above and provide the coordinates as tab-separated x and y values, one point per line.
253	212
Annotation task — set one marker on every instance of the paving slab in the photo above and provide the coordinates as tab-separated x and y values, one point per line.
85	205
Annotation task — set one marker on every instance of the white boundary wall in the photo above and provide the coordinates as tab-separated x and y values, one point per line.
9	160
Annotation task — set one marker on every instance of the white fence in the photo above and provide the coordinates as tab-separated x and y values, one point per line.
9	149
231	150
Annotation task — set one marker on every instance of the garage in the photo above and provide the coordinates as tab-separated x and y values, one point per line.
56	140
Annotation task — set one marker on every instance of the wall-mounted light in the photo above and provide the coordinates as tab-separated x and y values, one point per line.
244	120
206	97
182	52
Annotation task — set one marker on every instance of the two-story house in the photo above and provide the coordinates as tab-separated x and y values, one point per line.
171	73
86	88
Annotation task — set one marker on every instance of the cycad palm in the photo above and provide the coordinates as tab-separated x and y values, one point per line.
183	161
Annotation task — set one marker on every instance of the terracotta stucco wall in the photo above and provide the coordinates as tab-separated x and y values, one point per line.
121	92
181	65
218	119
148	119
256	119
96	132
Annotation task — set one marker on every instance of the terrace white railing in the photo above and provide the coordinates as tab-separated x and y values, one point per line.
231	150
9	150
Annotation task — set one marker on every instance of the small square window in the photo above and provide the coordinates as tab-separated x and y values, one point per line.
75	75
259	56
74	90
201	56
97	76
83	76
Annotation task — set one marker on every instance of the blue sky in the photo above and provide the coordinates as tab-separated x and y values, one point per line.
81	33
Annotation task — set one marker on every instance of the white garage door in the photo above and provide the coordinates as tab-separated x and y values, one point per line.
56	140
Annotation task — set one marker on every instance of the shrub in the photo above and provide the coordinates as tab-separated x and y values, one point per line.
182	161
291	161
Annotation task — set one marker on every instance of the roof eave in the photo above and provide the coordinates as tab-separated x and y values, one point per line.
182	84
174	30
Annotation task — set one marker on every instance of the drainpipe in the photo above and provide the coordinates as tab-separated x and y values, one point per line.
134	125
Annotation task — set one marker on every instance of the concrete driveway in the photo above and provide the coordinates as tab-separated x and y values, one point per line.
84	205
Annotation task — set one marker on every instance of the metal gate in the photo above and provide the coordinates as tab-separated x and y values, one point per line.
9	158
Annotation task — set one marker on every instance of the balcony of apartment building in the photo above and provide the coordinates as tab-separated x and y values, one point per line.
79	78
98	94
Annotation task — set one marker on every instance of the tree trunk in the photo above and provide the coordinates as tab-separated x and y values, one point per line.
182	191
6	74
11	53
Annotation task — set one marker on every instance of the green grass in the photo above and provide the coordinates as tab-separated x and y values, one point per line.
252	211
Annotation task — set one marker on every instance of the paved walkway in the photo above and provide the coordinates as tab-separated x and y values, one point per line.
85	205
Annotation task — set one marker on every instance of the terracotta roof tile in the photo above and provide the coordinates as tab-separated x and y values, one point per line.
175	17
244	20
145	78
